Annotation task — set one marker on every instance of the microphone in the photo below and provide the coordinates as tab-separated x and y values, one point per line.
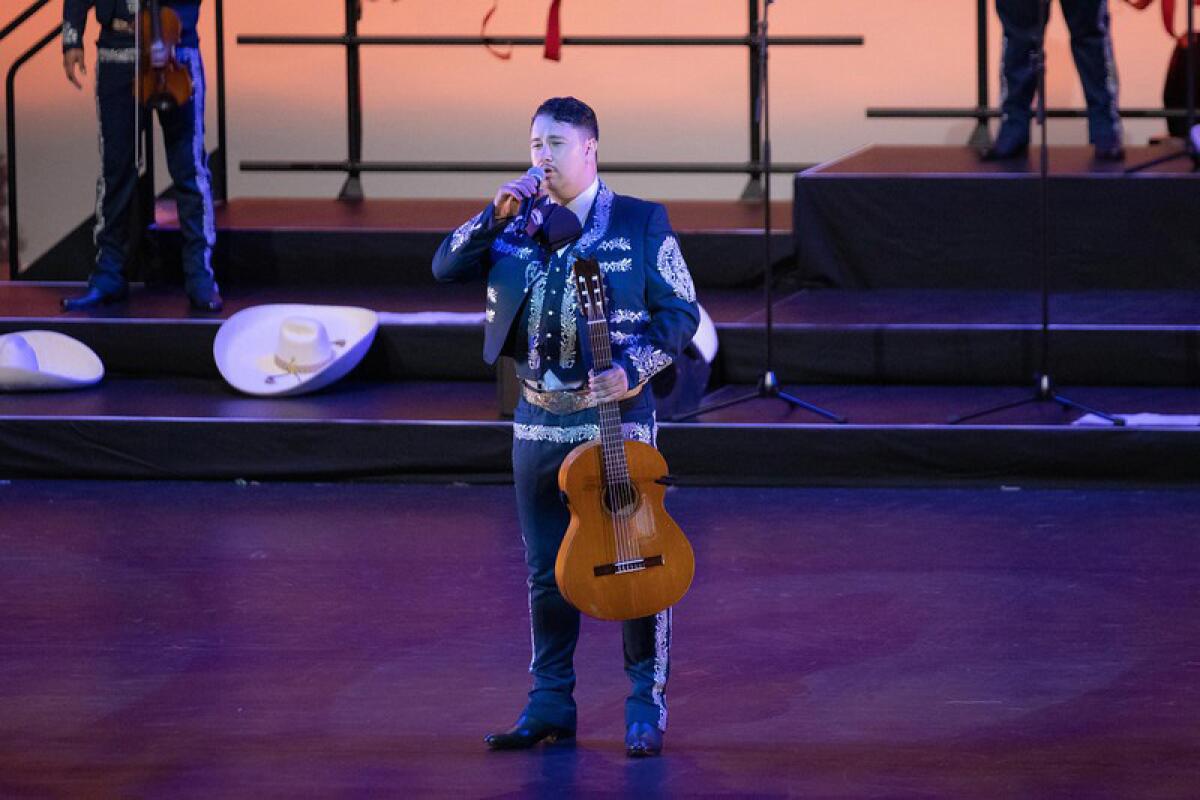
538	174
511	207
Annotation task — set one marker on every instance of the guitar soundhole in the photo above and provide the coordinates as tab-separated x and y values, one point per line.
621	500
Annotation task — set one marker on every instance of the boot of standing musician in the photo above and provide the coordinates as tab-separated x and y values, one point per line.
183	137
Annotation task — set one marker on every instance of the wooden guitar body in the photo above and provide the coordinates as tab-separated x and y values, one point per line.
623	557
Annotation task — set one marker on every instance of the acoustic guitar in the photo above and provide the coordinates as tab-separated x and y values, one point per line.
623	557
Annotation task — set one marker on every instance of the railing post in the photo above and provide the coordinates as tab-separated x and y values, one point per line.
981	137
352	188
220	168
754	189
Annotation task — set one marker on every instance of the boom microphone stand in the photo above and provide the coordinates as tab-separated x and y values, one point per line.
768	384
1191	147
1044	390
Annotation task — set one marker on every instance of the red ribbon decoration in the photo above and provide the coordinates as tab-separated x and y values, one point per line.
553	51
503	55
1168	15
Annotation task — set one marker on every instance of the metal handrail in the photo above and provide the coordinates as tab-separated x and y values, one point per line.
676	167
991	113
20	18
11	145
537	41
353	166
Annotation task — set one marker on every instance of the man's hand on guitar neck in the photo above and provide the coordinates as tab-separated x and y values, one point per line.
610	385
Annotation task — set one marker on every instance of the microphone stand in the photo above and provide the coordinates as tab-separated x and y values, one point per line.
768	384
1190	143
1044	390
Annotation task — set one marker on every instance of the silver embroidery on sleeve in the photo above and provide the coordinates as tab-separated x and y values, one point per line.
648	361
510	249
464	232
70	35
674	270
624	265
619	243
620	337
628	315
574	434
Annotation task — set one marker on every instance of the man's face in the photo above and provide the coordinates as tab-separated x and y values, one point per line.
566	153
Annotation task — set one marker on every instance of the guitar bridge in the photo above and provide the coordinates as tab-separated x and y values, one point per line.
633	565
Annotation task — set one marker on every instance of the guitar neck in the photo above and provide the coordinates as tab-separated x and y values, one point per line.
616	468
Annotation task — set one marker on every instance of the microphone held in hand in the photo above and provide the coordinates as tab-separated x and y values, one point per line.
511	205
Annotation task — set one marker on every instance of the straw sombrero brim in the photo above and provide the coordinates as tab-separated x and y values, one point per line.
63	363
246	341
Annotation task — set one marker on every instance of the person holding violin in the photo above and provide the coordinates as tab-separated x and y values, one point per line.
525	244
173	48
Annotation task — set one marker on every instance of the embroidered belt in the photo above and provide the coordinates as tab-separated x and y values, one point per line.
568	402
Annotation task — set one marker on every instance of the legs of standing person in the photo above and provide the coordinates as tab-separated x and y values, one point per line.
116	186
187	160
1092	47
554	623
1018	73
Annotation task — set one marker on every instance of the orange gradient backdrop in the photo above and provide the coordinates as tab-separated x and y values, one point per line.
461	103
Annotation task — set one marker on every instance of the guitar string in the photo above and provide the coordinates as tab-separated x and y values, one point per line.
617	485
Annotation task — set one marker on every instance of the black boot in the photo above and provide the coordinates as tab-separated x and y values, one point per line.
526	733
212	304
91	299
1012	141
642	740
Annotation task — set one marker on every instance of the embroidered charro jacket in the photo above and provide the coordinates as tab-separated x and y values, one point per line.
651	297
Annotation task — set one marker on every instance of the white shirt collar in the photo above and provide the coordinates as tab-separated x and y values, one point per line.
582	204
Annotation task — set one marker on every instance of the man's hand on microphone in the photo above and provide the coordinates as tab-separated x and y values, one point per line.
509	196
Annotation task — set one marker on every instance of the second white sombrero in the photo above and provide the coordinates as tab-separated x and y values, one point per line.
290	349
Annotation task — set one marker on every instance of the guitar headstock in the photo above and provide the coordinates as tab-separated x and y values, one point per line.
590	288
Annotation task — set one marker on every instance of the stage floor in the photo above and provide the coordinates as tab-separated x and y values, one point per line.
300	640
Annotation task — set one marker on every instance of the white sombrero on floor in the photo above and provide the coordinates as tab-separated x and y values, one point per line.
288	349
32	361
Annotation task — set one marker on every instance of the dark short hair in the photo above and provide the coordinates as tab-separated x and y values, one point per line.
571	111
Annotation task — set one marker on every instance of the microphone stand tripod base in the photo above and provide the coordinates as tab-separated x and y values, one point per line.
1043	392
768	388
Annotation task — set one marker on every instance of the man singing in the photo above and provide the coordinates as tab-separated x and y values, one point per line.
1092	47
525	244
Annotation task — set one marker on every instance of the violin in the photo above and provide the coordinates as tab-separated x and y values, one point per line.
163	83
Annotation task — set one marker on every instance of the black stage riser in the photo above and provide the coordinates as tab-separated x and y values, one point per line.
712	454
963	356
320	258
882	232
832	354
